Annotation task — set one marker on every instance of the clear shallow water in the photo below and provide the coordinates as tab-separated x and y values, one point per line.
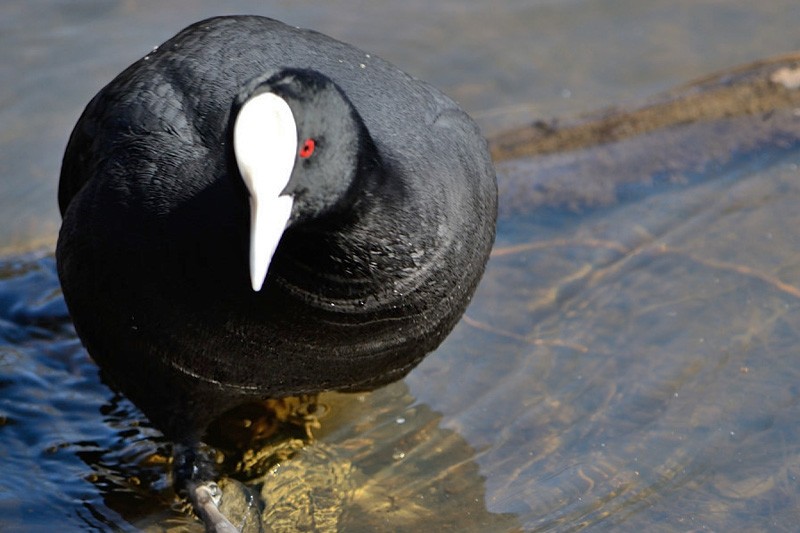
623	368
660	390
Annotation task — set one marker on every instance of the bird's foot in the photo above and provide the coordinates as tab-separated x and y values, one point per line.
206	498
194	469
193	462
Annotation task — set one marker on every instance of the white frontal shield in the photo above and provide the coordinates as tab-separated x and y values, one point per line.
265	146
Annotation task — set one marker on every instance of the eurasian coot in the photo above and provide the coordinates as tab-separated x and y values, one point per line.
254	210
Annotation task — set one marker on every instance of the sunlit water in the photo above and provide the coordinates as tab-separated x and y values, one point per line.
630	367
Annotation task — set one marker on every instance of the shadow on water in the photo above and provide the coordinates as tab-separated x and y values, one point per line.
644	359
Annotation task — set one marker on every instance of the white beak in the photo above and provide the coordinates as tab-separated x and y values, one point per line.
265	146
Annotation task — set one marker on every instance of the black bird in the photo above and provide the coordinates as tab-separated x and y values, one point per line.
254	210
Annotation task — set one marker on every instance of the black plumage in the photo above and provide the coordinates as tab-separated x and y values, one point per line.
391	228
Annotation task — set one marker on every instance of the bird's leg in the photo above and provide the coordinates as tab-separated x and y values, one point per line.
206	498
194	475
192	462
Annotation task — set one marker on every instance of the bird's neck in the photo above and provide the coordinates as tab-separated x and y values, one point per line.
371	252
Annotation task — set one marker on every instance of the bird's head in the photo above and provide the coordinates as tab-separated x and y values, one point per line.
299	145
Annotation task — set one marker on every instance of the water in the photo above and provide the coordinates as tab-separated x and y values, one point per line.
661	390
505	62
623	367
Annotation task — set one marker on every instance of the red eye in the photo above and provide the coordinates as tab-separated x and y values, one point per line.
307	149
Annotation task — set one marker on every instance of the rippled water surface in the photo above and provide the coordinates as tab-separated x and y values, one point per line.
630	367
